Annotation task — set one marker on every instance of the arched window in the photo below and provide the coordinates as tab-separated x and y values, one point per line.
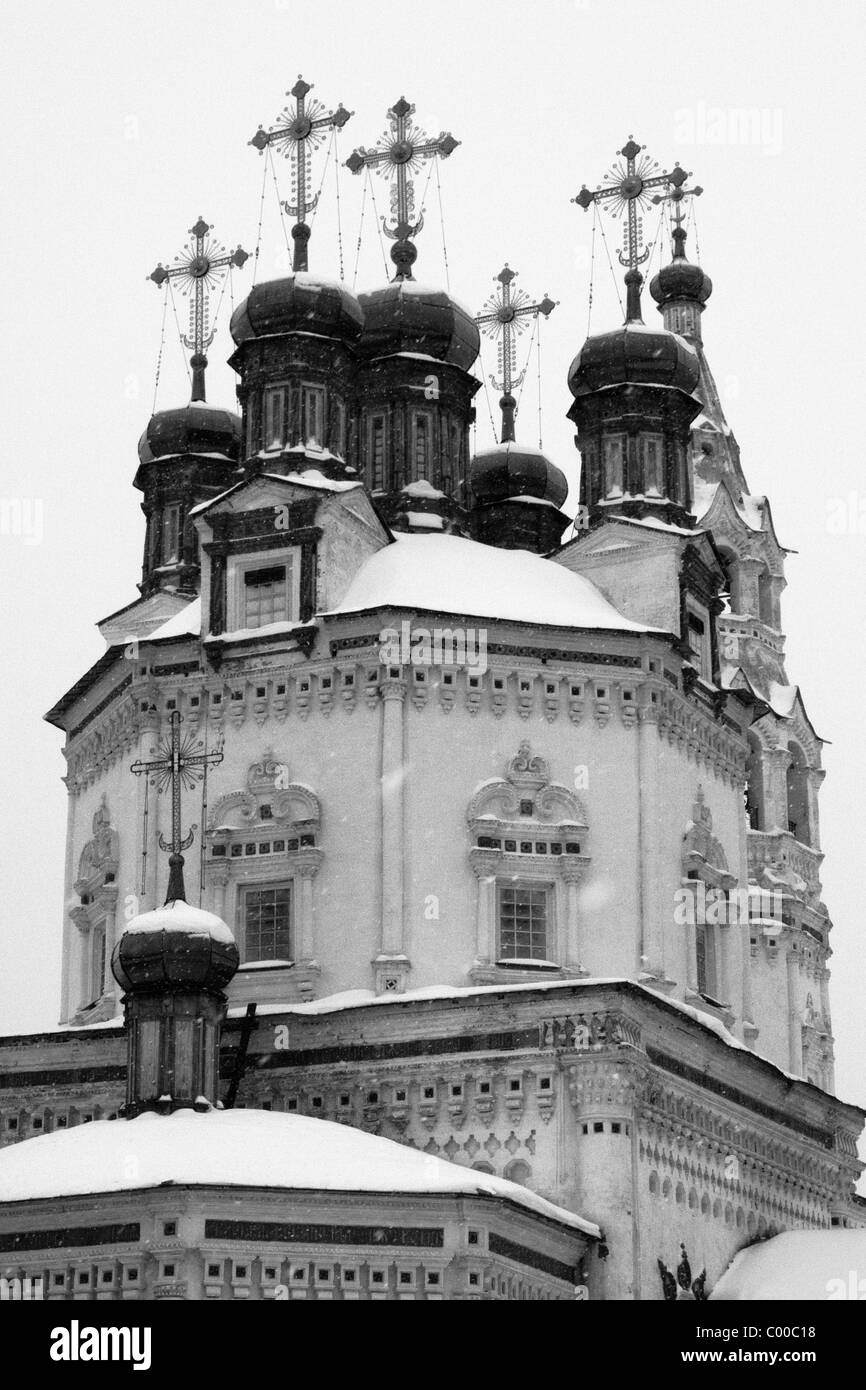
798	797
519	1171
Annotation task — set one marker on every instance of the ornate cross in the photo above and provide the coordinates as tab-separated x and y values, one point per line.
402	150
178	763
676	195
626	189
198	269
504	316
300	130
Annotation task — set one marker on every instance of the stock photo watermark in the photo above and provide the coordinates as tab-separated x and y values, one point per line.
751	126
21	518
438	646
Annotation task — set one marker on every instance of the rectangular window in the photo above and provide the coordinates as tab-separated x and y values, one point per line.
267	913
705	942
314	416
421	445
275	417
266	595
377	453
523	916
171	534
653	464
699	645
613	465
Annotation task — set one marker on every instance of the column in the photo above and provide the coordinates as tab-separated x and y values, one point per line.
391	960
573	873
747	600
775	764
484	863
795	1032
307	868
651	945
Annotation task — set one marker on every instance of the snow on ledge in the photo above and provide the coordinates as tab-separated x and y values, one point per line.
808	1266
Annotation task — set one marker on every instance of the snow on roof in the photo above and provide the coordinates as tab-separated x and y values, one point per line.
655	523
431	520
180	916
813	1266
243	1148
496	450
186	623
421	488
447	574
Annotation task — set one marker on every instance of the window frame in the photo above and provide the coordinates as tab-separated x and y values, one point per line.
240	565
376	420
527	884
276	390
171	513
313	392
616	489
264	886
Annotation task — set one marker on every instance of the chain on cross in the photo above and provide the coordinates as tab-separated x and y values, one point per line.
178	763
199	268
505	316
401	151
299	130
626	190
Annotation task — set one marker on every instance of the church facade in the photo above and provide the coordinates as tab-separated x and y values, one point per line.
518	838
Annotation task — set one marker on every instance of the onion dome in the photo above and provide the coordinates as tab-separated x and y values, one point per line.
407	317
513	471
634	354
300	303
175	946
680	279
197	428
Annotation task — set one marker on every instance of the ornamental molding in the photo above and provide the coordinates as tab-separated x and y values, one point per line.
496	804
100	857
702	852
268	801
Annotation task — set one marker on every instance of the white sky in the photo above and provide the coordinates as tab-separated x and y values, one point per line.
122	123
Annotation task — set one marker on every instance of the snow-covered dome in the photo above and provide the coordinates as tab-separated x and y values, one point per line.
300	303
680	279
407	317
197	428
635	354
175	945
513	470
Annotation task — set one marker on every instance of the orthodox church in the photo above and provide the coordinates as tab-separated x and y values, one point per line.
505	846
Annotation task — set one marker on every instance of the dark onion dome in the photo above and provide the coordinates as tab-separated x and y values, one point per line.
637	354
196	428
173	946
510	471
408	317
680	279
301	303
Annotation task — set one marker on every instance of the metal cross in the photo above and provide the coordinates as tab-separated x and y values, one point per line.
504	317
626	190
676	196
178	763
200	267
402	149
300	130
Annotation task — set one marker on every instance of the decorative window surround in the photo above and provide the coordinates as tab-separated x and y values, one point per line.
281	822
96	887
505	817
704	861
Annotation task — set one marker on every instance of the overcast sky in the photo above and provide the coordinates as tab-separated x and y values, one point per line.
123	123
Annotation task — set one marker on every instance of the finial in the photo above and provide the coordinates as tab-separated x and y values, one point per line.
625	190
401	151
300	130
198	269
504	317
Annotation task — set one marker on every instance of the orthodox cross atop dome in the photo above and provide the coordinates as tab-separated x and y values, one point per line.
626	191
299	130
504	317
676	195
200	267
401	151
178	763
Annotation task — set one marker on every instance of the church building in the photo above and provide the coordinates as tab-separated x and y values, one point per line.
508	801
